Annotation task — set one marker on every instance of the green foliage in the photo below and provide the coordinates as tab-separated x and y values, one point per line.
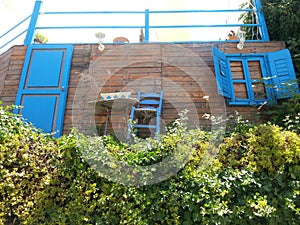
26	165
265	148
294	46
253	180
286	114
40	38
252	33
283	19
273	157
283	22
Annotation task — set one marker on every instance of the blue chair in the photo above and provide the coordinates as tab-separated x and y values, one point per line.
149	106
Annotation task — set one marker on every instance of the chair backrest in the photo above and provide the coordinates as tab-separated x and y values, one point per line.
150	100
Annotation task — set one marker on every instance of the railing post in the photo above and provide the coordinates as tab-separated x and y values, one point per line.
33	21
261	20
147	19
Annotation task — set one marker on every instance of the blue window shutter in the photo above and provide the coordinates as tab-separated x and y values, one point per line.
222	73
282	73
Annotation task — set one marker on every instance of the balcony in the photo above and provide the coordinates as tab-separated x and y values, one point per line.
147	26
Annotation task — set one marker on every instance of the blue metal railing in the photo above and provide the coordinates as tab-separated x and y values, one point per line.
14	28
146	26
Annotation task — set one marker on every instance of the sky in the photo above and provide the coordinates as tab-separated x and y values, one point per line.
12	11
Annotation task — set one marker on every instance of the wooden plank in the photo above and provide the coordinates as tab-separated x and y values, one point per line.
4	65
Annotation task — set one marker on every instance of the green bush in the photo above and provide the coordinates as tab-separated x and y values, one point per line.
273	157
286	114
264	148
255	179
26	165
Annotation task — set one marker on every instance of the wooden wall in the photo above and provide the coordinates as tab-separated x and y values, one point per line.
11	64
4	59
185	72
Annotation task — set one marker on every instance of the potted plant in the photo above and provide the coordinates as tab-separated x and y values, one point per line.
40	39
232	35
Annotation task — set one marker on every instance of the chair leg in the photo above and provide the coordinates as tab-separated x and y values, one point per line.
128	131
106	122
157	125
129	125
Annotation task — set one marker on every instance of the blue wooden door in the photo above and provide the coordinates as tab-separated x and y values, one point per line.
43	86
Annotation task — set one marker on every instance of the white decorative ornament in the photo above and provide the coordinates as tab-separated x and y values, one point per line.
241	36
100	36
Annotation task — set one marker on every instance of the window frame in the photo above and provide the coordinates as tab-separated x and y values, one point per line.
276	70
248	80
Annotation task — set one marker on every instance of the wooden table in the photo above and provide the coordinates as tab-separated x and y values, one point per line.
115	104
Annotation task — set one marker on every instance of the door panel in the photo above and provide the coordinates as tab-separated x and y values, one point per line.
45	112
45	69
